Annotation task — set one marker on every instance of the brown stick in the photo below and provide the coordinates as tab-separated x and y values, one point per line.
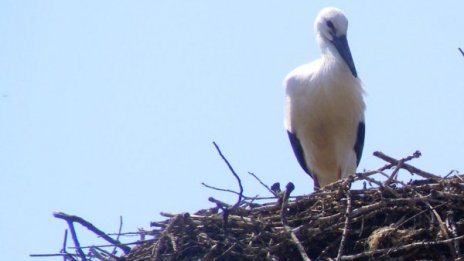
263	184
415	155
76	240
408	167
65	241
64	255
283	217
118	235
347	221
239	200
71	219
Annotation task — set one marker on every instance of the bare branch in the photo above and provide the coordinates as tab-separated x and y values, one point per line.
283	217
118	235
347	220
235	192
263	184
407	166
76	240
70	219
233	172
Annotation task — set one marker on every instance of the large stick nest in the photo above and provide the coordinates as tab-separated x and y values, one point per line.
419	220
388	219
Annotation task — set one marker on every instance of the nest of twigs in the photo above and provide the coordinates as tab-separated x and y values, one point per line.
389	219
419	220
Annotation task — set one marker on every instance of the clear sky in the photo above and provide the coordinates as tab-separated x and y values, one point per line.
109	108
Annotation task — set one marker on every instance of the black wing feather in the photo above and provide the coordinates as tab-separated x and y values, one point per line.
298	150
359	145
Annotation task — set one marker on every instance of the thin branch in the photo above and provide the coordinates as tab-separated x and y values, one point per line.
233	172
394	174
76	241
130	234
347	221
66	256
219	204
52	255
70	219
138	242
283	211
235	192
118	235
65	242
263	184
220	189
461	51
387	188
408	167
364	174
283	217
100	256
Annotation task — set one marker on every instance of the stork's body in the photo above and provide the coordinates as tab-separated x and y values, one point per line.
324	106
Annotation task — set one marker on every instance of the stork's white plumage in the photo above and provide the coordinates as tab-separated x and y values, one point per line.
324	113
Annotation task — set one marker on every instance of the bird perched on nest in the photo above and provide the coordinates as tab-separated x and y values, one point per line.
324	113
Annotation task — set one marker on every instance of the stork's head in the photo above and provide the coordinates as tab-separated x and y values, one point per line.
331	26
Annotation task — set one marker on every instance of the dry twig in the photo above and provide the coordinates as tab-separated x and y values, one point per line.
283	217
239	181
70	219
347	220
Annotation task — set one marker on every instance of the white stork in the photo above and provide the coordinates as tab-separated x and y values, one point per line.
324	110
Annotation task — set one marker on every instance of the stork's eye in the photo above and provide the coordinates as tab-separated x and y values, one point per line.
331	25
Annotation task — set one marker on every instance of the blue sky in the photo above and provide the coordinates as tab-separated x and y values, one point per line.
109	108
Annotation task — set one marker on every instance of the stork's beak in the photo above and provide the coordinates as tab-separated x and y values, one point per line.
341	43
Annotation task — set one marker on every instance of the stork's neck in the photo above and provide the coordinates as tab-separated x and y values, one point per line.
332	63
331	59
